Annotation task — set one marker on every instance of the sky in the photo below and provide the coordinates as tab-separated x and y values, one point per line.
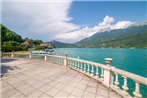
69	21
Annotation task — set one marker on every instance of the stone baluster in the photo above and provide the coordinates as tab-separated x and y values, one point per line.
88	69
125	87
137	91
30	55
45	57
12	55
72	63
102	73
84	67
76	64
81	67
116	81
92	70
78	67
97	72
66	60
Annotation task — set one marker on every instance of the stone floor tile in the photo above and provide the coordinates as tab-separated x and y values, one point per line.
27	91
35	94
93	84
77	92
62	94
52	92
91	89
81	86
44	88
59	86
38	85
102	92
67	89
88	95
113	94
45	96
72	96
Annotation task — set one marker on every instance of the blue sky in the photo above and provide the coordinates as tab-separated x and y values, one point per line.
93	12
69	21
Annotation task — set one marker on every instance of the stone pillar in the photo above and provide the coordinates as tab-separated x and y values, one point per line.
66	60
107	73
30	55
46	57
12	55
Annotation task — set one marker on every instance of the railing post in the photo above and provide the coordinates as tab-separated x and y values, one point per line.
12	55
45	57
30	55
65	60
107	73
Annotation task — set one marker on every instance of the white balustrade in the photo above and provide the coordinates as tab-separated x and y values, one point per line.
105	76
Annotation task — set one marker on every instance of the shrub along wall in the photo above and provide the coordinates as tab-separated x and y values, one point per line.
12	48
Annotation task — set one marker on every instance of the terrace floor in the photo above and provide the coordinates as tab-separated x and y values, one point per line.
25	78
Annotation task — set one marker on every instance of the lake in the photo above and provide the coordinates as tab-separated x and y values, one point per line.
131	60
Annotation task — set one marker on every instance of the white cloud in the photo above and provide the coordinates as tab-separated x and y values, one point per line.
121	25
39	18
105	25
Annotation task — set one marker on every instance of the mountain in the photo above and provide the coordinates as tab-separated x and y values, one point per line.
58	44
133	36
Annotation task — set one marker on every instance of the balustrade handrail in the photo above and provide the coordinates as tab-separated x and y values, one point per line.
133	76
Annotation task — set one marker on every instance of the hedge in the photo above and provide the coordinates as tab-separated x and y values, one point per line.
12	48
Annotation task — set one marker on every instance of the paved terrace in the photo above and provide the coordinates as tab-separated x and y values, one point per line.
25	78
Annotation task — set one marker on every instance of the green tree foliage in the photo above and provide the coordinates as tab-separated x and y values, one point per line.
7	35
11	43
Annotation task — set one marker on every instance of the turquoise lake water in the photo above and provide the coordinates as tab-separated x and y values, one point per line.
131	60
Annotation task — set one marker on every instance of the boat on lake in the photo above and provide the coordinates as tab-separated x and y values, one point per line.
46	51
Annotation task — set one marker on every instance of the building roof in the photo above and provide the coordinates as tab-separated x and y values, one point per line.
26	43
44	44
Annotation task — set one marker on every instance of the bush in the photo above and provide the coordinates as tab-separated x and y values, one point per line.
24	48
10	48
38	48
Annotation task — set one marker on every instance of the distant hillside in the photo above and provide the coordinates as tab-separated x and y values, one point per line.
133	36
58	44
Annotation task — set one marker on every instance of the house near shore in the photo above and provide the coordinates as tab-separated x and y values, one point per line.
46	45
26	44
